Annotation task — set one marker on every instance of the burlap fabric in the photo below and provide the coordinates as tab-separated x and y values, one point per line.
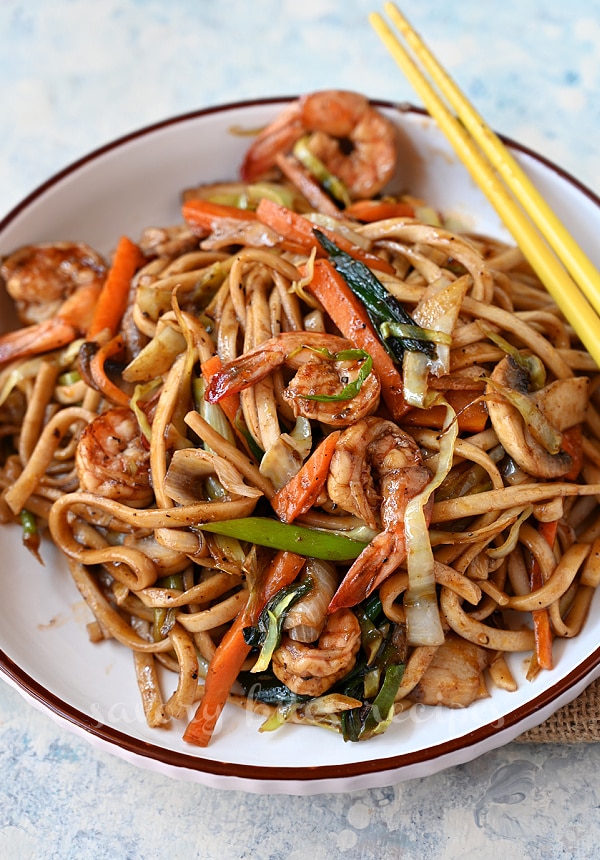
577	722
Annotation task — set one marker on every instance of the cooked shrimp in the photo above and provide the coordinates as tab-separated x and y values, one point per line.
40	277
112	460
375	470
311	670
55	288
317	375
353	139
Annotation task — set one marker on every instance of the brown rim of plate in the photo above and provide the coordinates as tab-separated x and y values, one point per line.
183	761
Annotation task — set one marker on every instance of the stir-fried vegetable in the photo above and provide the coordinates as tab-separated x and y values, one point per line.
266	633
299	232
31	534
537	423
380	305
112	300
376	678
264	531
300	493
332	184
232	650
349	314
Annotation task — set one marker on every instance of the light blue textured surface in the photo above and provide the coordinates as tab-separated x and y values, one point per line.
76	73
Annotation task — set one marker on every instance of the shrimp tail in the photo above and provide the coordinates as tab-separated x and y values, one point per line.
278	137
242	373
41	337
376	562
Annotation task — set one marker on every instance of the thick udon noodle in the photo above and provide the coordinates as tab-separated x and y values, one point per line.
167	590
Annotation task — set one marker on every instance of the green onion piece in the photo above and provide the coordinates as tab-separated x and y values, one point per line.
266	688
428	335
333	185
69	378
372	680
324	711
31	535
380	305
250	195
350	390
282	536
267	631
381	712
279	717
371	636
164	621
272	640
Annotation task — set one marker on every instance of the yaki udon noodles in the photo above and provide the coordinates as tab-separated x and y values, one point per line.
308	449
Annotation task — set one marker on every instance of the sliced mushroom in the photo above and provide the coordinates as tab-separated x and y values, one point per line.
561	404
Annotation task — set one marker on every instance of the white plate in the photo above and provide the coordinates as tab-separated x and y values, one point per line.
45	653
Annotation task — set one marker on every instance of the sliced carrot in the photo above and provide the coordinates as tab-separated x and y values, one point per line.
205	215
349	315
230	404
549	531
299	230
228	659
113	298
224	668
572	443
210	367
542	628
379	210
301	492
471	413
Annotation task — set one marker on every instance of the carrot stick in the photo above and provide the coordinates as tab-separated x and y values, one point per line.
301	492
205	215
228	659
572	443
541	617
299	230
379	210
471	413
549	531
113	298
230	404
349	315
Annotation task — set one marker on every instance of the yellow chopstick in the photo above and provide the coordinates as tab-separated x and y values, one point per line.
565	247
564	290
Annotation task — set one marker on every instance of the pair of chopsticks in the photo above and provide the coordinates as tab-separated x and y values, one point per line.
568	275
